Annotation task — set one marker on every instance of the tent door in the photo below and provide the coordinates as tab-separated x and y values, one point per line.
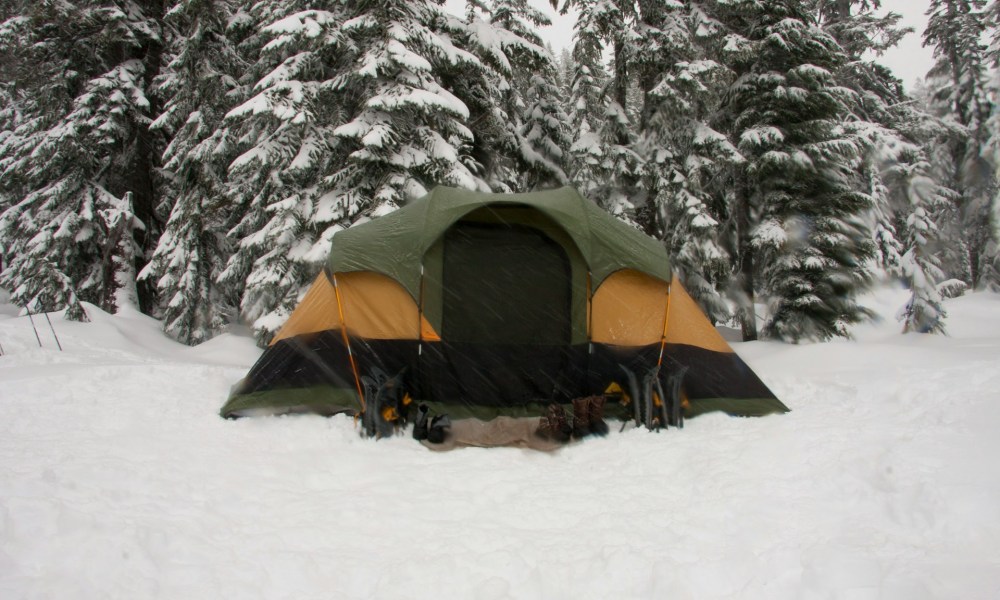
505	285
506	314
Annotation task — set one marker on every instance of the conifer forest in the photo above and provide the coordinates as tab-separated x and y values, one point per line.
195	157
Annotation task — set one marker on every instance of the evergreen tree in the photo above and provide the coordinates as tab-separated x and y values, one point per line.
990	267
293	99
606	161
888	247
349	118
10	117
543	140
544	134
566	68
918	201
587	101
924	312
617	188
879	105
907	200
502	95
959	93
485	88
200	83
405	131
681	151
81	147
802	237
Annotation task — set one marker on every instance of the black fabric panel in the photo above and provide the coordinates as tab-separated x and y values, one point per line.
322	358
607	361
710	374
504	284
715	374
496	374
501	374
389	356
300	361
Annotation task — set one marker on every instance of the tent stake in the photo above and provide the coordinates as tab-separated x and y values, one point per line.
53	331
30	318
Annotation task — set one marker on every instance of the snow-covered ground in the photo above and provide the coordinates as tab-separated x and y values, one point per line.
119	480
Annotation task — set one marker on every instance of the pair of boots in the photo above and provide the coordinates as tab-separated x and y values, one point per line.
588	417
433	429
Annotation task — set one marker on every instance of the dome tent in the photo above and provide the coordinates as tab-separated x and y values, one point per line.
487	305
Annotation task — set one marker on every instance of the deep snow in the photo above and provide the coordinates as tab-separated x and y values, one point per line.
119	480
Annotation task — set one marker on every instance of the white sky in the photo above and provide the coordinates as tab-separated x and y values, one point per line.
910	60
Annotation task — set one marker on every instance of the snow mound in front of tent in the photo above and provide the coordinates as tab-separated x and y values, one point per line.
120	480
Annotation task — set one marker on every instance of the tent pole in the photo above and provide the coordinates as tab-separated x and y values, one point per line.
666	321
590	308
32	319
590	325
54	331
347	341
420	330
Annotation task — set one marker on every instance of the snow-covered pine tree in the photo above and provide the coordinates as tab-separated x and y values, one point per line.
294	95
199	83
484	87
618	188
801	227
405	132
587	99
9	123
934	135
9	116
990	270
906	199
960	93
564	64
503	36
917	202
864	32
621	167
84	72
682	153
920	266
545	137
888	247
607	153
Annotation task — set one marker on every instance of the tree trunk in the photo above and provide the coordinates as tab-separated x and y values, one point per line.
620	91
651	15
113	240
744	277
974	257
843	8
141	178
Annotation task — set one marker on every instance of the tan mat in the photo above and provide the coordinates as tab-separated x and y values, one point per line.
516	432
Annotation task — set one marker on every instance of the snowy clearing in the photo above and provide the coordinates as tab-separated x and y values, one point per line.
119	480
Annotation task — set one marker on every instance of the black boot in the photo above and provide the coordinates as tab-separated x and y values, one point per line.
422	424
581	417
438	429
596	415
